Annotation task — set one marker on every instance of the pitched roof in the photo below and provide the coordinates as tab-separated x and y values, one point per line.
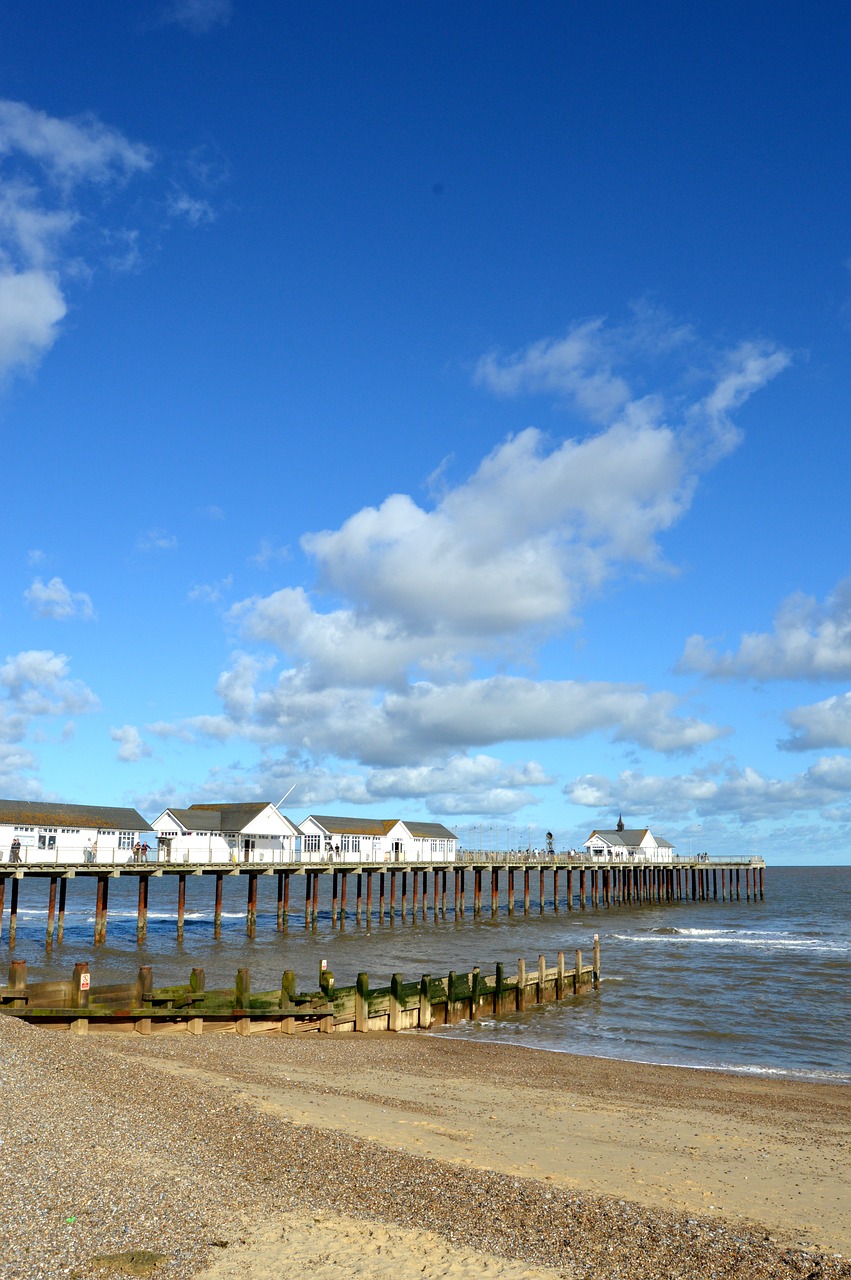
193	820
353	826
429	830
231	817
631	837
38	813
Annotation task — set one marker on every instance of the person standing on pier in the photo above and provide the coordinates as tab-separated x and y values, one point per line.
15	850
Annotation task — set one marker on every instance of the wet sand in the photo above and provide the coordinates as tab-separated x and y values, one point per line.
410	1156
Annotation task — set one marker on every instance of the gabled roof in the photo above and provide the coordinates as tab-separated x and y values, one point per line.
429	830
38	813
352	826
192	820
231	817
634	836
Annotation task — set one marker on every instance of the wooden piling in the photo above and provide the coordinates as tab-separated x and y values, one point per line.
251	906
314	906
308	877
392	896
217	910
101	909
477	891
463	890
577	972
738	885
443	893
415	904
748	883
335	889
521	985
395	1020
596	962
359	896
344	880
279	923
511	891
51	913
525	891
435	892
13	914
181	903
582	890
761	884
542	892
404	897
542	979
570	888
494	891
287	875
555	889
142	911
362	1003
560	976
369	876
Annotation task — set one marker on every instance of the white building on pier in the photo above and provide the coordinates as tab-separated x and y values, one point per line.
629	844
375	840
33	831
226	833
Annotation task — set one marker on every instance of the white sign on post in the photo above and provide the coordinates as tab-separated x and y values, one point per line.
324	965
85	979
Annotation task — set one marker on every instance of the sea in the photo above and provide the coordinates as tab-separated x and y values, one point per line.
759	987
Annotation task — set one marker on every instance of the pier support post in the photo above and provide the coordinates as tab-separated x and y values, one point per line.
344	880
477	891
314	907
443	893
511	891
142	911
369	876
738	885
359	897
542	892
404	897
335	889
762	884
582	889
181	903
380	897
279	924
570	888
308	886
555	889
463	890
101	908
217	910
251	905
435	892
416	900
51	913
286	922
392	897
748	883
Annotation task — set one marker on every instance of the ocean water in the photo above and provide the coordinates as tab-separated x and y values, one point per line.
762	987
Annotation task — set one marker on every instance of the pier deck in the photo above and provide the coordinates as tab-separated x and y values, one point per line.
574	882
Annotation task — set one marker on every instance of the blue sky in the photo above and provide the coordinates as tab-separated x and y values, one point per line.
435	410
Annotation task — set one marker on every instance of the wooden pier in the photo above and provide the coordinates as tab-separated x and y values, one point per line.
140	1007
438	889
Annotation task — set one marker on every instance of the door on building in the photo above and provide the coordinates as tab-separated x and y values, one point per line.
47	841
247	849
398	851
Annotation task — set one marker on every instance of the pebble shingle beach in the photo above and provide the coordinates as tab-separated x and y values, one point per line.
271	1156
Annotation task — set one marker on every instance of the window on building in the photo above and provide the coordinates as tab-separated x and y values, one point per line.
355	844
311	844
126	839
434	846
345	844
441	846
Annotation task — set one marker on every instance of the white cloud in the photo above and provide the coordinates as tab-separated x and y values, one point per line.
197	212
44	164
741	793
36	683
35	557
31	307
198	16
820	725
267	551
156	540
425	721
210	592
54	600
132	747
810	641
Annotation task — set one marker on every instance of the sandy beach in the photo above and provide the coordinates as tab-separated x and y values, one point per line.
407	1156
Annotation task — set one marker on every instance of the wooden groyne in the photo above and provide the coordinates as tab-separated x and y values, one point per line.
77	1005
370	893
